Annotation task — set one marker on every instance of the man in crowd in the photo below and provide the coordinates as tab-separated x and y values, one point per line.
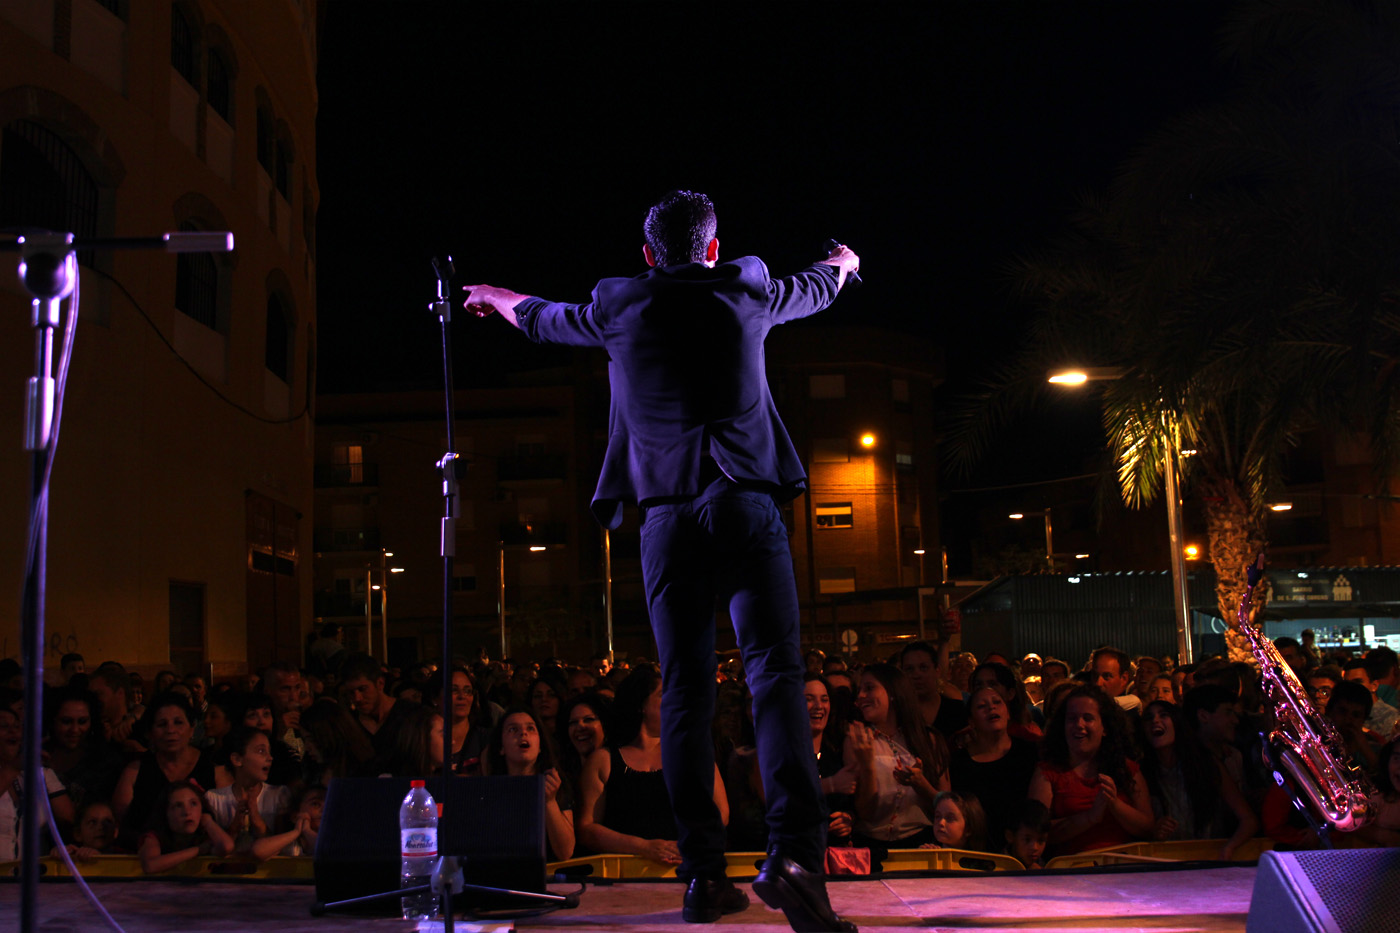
1383	717
1216	714
1112	671
109	683
71	665
378	713
1293	655
1385	674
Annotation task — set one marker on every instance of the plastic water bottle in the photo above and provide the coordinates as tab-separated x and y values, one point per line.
418	833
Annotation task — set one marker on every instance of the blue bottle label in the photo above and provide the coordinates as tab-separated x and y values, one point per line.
419	843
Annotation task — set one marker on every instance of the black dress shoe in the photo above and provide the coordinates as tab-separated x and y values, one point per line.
706	899
801	896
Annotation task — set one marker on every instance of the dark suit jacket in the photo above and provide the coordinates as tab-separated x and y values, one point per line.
687	374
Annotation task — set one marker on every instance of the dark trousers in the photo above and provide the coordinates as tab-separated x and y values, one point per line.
729	544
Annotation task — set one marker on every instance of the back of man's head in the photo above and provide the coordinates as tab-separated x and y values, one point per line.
679	228
1206	698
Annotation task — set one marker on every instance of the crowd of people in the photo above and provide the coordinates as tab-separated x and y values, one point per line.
1034	757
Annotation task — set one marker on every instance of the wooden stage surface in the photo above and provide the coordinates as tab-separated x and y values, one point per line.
1201	899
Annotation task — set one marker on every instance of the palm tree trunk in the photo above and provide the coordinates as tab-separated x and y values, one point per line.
1236	535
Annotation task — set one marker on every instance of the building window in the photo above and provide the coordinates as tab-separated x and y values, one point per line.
349	463
834	515
184	49
219	91
278	340
836	580
44	184
282	169
197	286
831	450
828	386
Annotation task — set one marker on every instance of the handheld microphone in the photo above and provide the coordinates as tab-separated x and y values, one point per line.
852	278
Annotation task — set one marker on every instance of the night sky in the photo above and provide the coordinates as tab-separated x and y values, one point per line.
940	140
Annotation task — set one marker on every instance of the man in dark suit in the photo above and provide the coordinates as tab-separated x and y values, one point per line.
696	441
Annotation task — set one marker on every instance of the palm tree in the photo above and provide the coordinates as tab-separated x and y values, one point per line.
1240	273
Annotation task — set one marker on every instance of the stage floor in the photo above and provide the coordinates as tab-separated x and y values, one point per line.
1213	899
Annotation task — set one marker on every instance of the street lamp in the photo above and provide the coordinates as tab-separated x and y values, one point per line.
383	588
1049	540
502	547
1181	604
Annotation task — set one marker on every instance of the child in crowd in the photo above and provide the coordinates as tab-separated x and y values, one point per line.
249	809
1028	833
94	833
959	822
181	828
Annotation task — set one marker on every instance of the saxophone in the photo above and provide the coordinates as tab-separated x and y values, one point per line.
1302	742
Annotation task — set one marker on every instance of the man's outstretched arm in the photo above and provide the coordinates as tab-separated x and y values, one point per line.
541	320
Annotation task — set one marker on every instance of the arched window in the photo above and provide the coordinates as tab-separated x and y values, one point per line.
278	338
44	184
184	46
282	177
197	285
219	89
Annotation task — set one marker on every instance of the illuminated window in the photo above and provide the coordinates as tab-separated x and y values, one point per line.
834	515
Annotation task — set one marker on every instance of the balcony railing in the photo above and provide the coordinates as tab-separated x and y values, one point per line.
347	539
331	475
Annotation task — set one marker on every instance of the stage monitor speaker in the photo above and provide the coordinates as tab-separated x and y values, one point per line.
1337	891
495	825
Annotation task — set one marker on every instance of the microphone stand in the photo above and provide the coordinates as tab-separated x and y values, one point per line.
447	877
48	269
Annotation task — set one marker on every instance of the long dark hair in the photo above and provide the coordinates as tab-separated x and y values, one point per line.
1116	747
632	695
834	733
929	749
569	761
93	741
159	822
1199	771
1018	706
410	755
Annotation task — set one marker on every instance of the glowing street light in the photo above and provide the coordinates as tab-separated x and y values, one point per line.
1193	552
867	440
1280	506
1049	546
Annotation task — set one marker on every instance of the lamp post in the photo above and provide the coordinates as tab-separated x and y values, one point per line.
1181	603
383	588
501	586
1049	534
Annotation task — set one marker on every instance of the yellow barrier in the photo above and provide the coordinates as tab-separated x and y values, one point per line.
289	869
745	864
1176	850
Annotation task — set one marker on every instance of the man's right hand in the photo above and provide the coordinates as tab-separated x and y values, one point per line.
844	259
483	299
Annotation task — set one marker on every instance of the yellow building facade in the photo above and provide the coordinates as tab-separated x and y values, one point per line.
182	490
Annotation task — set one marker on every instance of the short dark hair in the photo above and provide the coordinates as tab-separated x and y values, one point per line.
330	630
1031	814
360	665
69	658
1349	691
1125	663
679	227
1205	698
1284	641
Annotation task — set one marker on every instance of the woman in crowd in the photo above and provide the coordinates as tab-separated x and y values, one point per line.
993	765
180	828
471	727
1189	789
900	765
256	711
86	764
517	746
12	789
623	804
582	731
838	780
337	741
1093	790
169	758
546	695
1161	690
1018	706
250	808
417	748
218	720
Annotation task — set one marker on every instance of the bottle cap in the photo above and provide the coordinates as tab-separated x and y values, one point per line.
417	783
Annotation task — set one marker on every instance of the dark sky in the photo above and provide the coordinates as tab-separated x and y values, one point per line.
938	139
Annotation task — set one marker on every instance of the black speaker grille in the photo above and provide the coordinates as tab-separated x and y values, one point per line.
1356	888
